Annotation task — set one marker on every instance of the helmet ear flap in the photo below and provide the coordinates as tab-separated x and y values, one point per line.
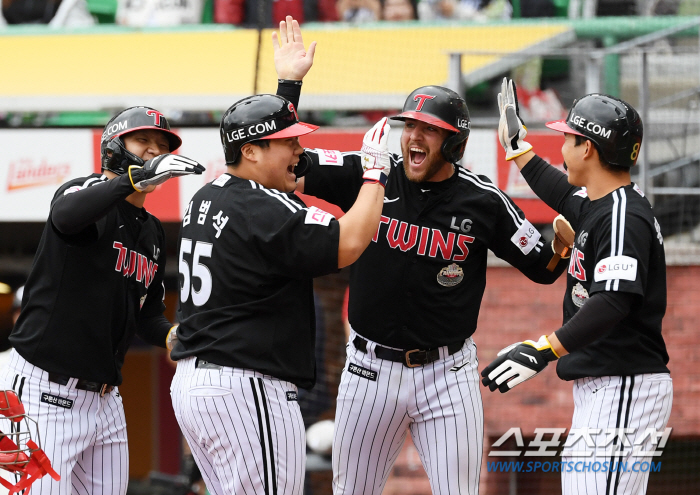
303	166
112	155
453	147
117	158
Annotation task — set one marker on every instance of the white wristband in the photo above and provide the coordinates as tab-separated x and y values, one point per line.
375	175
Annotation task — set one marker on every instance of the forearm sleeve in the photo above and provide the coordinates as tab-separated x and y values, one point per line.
597	317
551	185
154	329
291	90
73	212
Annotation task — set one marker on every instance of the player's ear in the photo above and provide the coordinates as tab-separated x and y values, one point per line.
249	152
590	150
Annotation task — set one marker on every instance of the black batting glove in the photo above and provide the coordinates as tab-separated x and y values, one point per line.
517	363
161	168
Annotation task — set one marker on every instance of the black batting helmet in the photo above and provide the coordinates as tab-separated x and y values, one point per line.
261	117
612	124
115	156
442	108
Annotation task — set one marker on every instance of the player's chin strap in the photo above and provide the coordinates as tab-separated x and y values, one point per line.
36	467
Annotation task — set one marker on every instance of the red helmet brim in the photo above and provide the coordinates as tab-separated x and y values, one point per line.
294	130
562	126
427	118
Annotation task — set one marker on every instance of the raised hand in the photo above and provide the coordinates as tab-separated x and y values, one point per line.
375	152
292	60
511	130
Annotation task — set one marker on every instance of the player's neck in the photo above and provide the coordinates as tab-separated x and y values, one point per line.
602	182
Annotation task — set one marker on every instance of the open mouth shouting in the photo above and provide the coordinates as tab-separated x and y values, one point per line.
417	155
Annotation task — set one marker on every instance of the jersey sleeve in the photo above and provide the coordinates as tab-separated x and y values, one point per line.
79	207
622	252
515	240
552	186
334	177
295	241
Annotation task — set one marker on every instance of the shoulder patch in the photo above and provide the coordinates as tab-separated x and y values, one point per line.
329	157
221	180
616	267
526	237
317	216
583	193
639	191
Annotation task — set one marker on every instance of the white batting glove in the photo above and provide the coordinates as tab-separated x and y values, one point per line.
511	130
518	363
375	153
161	168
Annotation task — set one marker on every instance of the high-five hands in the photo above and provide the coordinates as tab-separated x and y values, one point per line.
375	153
292	60
511	130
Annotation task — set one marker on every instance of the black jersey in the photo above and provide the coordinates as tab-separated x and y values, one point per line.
420	282
618	248
87	292
247	258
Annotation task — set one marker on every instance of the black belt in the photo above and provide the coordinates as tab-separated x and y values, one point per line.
100	388
412	358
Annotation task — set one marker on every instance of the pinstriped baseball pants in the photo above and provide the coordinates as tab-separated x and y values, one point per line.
244	429
636	402
86	442
439	403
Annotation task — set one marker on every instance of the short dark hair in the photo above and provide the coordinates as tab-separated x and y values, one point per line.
579	140
261	143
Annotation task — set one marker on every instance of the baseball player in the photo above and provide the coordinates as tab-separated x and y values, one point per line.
97	279
249	249
411	362
610	344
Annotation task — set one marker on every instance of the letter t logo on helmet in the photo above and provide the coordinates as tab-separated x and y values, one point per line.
156	116
421	100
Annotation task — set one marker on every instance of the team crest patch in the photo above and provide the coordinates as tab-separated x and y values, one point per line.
450	275
362	372
292	396
579	295
55	400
